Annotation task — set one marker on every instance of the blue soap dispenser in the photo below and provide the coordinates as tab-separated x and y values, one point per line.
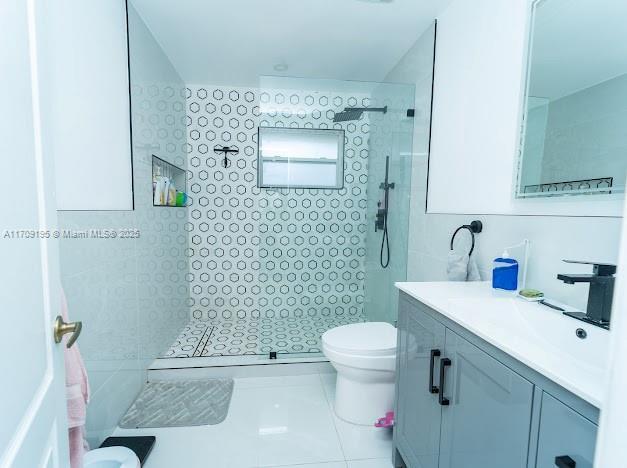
505	273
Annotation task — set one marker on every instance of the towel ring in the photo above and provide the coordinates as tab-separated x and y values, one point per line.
474	227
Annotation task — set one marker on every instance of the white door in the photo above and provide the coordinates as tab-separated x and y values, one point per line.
32	397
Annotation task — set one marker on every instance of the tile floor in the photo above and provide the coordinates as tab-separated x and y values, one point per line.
254	336
274	422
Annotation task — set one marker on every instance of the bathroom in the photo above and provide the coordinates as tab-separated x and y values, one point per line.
273	235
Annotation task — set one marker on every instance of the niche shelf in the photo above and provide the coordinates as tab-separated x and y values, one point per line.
167	174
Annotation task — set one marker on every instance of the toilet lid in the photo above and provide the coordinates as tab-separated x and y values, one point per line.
370	338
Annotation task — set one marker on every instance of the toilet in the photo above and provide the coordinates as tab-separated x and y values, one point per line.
364	356
111	457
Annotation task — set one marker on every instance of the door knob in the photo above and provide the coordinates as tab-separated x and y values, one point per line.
61	328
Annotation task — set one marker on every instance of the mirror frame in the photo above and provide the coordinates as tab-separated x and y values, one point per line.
614	198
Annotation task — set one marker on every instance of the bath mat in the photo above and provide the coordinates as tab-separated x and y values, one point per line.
180	403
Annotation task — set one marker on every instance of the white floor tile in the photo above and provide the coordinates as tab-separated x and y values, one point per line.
198	447
279	381
371	463
285	422
328	383
358	442
294	424
279	421
339	464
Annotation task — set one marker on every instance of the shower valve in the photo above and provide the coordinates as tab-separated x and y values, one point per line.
379	222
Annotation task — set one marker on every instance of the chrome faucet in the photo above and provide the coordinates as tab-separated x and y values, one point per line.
601	292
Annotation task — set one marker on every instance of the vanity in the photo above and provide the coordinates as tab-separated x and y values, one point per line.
488	380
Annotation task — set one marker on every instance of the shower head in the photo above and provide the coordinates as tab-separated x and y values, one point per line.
354	113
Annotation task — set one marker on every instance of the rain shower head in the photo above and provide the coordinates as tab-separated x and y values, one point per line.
354	113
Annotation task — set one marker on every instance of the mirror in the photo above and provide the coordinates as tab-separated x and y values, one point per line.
574	138
300	158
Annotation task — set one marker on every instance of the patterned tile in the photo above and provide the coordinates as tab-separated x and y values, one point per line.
221	337
259	253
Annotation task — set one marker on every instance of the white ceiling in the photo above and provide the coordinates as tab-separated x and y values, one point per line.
233	42
577	45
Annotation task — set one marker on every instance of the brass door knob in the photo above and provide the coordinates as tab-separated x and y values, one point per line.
61	328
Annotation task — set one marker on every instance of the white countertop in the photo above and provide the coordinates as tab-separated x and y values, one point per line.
539	337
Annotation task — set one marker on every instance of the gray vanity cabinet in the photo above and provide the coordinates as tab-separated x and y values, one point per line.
462	403
481	418
418	414
564	433
487	421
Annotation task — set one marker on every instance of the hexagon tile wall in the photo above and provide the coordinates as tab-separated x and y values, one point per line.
272	254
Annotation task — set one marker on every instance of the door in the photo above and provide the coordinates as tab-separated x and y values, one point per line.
33	425
417	431
487	420
565	436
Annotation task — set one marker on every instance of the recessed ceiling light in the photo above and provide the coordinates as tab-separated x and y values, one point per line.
281	67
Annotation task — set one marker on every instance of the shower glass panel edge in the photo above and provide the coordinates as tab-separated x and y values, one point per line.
391	142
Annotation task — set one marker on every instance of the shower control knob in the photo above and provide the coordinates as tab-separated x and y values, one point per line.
379	222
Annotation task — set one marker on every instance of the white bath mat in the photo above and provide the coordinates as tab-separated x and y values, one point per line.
180	403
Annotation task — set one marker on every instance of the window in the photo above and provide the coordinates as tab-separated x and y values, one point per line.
300	157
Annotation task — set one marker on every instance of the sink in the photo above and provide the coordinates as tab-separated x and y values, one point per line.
539	337
534	325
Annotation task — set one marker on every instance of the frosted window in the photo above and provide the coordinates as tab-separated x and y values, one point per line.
301	157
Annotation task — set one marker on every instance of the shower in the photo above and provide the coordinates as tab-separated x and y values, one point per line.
381	220
354	113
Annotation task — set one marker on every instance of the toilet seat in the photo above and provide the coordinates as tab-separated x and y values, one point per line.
362	339
111	457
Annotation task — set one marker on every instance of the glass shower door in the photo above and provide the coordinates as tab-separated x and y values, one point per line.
389	162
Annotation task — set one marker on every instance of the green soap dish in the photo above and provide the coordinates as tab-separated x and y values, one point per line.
531	294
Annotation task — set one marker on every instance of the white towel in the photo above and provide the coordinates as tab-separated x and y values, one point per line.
473	270
461	267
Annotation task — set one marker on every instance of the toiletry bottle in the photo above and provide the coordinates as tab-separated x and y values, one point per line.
505	273
156	175
166	191
171	194
181	198
159	188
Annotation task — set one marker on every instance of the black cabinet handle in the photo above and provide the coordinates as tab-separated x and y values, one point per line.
565	461
444	363
434	353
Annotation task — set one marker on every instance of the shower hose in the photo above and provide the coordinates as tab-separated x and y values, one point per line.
385	240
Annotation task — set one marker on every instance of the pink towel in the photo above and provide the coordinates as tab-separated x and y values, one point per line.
77	395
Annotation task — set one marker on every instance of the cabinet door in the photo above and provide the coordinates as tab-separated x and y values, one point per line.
564	433
486	423
417	432
89	114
